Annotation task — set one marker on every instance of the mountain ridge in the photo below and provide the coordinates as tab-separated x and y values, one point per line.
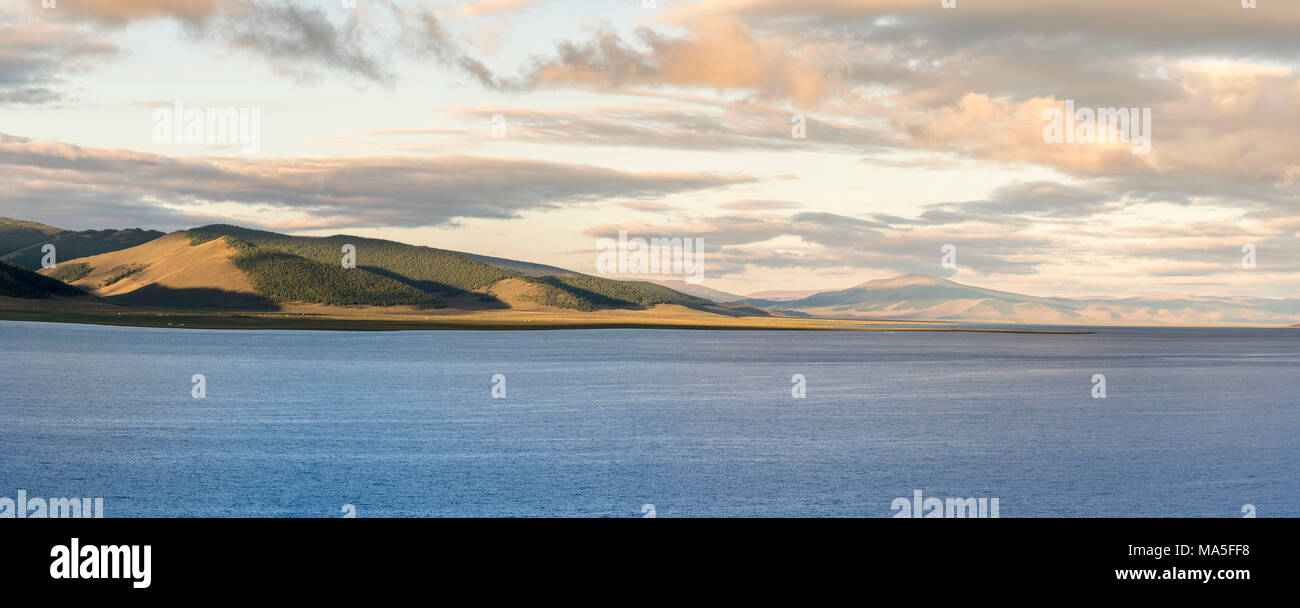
919	296
22	242
223	266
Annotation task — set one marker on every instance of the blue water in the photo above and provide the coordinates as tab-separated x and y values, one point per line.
1197	422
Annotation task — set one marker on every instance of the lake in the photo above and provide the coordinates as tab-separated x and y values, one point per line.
597	423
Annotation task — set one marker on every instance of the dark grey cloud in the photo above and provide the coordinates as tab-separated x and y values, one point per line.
424	36
298	40
301	41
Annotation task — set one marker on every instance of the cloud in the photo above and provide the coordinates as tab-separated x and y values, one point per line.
908	85
1218	140
742	244
423	36
353	192
1172	26
678	127
28	96
36	56
118	12
820	52
758	205
648	206
996	247
970	83
769	67
1026	199
481	8
298	41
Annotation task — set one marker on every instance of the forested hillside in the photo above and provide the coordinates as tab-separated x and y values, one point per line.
16	282
308	269
21	242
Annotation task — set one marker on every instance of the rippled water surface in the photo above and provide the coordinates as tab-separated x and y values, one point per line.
1197	422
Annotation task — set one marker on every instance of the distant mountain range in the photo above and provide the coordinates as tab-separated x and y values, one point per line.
785	295
223	267
924	297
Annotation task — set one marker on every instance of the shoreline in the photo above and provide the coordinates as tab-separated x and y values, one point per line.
314	322
318	318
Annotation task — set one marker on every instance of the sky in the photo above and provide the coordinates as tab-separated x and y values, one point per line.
811	144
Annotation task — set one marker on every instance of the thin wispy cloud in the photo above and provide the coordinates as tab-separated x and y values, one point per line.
319	193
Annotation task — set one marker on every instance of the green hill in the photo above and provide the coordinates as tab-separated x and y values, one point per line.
21	242
283	276
307	269
17	234
670	295
16	282
608	292
524	268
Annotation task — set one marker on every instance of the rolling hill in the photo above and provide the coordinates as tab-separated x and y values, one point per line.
925	297
524	268
700	291
21	241
17	234
222	267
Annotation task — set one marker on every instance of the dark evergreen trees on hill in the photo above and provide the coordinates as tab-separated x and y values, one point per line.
387	273
18	282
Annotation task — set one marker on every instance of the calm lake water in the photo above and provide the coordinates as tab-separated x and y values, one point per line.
597	423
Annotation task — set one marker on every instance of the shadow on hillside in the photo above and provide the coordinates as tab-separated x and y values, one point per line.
733	309
599	299
155	296
452	296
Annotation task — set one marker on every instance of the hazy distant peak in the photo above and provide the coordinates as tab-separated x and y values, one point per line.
906	280
920	296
